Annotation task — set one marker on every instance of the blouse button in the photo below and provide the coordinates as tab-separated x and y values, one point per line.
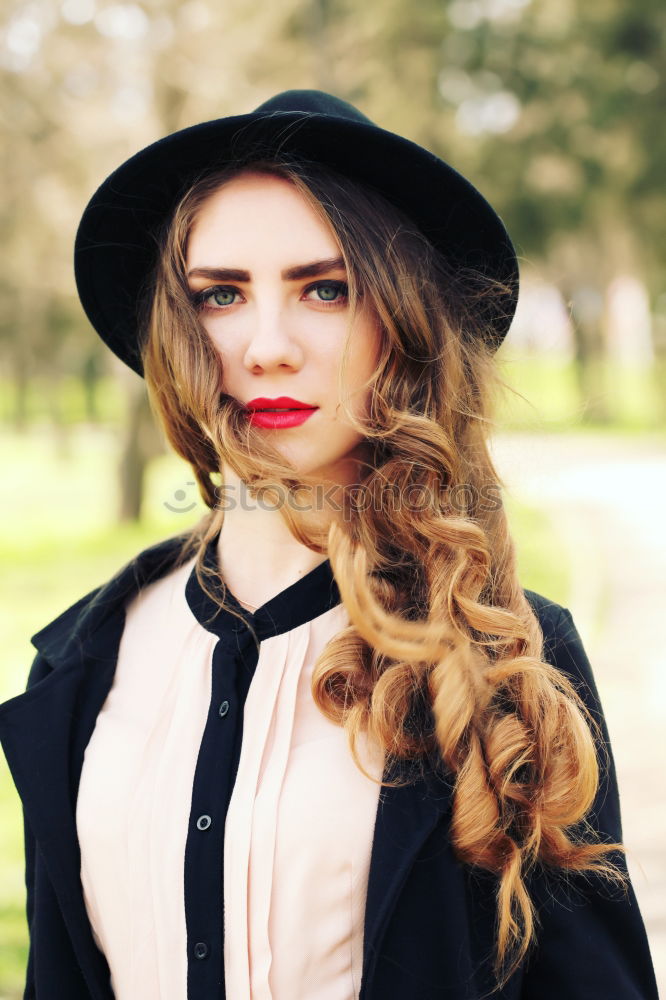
223	709
200	949
203	822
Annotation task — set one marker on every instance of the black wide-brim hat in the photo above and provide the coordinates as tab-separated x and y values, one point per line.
116	246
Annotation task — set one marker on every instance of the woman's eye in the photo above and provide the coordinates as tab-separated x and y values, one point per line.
328	291
214	298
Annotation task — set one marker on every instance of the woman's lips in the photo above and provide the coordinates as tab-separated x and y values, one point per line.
290	418
282	411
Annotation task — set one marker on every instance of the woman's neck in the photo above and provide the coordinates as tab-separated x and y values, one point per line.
257	554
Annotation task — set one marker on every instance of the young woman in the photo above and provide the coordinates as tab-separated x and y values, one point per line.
323	746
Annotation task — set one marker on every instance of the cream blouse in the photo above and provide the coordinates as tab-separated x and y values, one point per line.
299	826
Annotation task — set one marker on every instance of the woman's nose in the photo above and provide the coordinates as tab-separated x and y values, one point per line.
271	341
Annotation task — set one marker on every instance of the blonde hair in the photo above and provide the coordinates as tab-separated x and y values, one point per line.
440	629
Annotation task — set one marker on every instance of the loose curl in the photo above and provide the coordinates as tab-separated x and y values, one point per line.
443	658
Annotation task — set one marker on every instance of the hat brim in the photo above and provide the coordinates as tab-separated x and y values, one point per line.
115	248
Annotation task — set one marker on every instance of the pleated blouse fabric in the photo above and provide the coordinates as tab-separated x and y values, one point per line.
299	823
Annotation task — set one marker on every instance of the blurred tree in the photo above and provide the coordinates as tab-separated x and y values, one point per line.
560	102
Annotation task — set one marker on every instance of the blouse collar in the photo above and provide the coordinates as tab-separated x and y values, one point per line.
307	598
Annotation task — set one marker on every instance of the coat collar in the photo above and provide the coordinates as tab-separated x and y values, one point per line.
45	730
75	629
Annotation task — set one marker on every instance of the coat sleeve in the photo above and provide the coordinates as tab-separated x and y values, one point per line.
591	940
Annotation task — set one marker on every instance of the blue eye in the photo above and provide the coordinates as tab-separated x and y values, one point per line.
222	296
334	292
218	297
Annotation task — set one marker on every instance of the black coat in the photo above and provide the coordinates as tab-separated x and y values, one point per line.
429	922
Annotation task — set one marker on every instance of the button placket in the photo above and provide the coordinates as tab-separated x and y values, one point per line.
232	669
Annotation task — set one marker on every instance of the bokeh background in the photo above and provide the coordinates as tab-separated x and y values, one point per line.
555	110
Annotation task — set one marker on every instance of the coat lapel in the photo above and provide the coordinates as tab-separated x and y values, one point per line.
406	816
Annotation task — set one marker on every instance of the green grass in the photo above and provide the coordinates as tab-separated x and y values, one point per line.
539	552
58	540
62	400
552	398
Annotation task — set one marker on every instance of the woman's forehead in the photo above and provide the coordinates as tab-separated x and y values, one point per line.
259	215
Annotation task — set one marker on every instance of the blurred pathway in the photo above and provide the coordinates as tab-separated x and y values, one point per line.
607	498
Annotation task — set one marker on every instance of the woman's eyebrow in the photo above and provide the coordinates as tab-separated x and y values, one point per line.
300	271
219	273
314	269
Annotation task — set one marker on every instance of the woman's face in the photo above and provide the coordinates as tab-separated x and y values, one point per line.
270	285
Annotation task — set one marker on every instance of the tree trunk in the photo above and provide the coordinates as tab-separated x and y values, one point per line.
587	305
141	443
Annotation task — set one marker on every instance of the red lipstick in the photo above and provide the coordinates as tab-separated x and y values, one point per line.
293	411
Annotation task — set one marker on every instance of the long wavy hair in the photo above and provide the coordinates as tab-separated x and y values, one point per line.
443	658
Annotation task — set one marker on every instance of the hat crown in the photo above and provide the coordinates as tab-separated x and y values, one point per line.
314	102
